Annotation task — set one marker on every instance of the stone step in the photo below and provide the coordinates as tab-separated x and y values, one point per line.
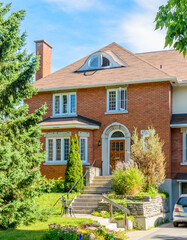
89	196
96	185
97	181
87	200
83	204
96	192
85	207
95	189
103	177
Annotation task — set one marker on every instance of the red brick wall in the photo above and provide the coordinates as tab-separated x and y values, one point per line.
147	104
177	153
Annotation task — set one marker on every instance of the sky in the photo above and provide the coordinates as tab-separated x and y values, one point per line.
76	28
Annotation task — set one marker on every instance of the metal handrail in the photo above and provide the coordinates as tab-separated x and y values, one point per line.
79	179
112	203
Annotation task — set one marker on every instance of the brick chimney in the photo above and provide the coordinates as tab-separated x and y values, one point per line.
43	49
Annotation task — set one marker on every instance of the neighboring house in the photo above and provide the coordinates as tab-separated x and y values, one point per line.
103	97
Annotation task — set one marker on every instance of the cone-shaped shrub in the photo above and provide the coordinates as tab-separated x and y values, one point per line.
74	168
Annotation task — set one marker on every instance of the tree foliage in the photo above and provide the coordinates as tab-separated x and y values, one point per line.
173	16
74	167
150	159
20	155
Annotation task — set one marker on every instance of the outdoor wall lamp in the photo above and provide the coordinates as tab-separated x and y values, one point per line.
99	143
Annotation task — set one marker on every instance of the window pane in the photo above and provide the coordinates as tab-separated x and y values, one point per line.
121	146
50	149
122	99
186	148
83	149
94	62
113	146
73	103
65	104
66	149
117	146
117	134
58	149
105	62
57	104
112	100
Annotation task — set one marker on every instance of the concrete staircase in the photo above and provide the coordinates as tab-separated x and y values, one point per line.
88	201
99	185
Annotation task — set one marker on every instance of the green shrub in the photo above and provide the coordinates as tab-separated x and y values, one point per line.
128	182
58	232
74	168
53	185
58	185
164	194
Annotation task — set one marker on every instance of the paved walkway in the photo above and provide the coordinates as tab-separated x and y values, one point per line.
164	232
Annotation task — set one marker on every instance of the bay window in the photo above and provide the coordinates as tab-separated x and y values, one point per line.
57	149
83	142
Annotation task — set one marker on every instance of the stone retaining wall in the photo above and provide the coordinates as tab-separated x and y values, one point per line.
147	206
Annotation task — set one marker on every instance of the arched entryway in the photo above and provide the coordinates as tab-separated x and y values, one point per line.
115	146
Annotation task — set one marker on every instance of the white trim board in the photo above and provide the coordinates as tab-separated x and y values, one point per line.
69	126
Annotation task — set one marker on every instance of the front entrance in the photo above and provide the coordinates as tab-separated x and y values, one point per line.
117	153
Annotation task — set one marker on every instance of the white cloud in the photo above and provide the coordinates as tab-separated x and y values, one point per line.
136	29
76	5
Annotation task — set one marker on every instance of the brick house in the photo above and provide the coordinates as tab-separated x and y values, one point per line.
103	97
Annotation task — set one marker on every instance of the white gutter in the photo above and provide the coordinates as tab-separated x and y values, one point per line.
181	180
110	84
69	126
178	125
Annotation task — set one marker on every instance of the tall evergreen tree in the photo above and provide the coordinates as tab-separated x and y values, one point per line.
20	155
74	168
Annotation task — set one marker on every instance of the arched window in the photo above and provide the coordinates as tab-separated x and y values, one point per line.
101	60
117	134
98	62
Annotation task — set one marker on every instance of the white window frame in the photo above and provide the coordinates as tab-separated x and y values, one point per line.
118	95
86	149
143	141
68	104
54	149
184	148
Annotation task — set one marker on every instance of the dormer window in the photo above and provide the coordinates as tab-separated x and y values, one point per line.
101	60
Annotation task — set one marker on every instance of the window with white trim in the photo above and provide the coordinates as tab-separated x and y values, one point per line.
185	147
83	142
116	100
57	149
64	104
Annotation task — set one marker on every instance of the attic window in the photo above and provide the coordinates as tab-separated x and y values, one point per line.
98	62
102	60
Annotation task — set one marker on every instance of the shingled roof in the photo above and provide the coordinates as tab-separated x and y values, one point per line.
171	61
138	70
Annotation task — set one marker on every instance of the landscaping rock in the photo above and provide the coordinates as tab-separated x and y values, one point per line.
91	236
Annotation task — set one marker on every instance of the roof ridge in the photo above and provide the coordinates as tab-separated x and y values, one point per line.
167	50
143	60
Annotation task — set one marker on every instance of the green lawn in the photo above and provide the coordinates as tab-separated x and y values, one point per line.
37	229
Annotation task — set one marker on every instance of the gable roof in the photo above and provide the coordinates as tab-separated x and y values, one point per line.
138	70
171	61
